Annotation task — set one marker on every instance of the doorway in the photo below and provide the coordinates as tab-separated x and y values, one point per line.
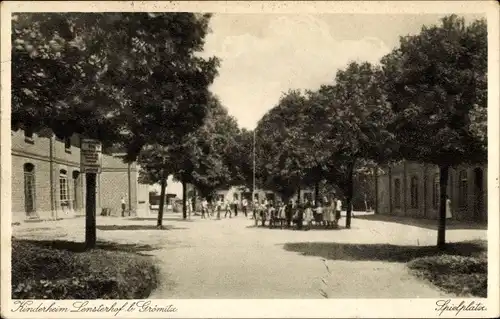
478	195
77	191
29	190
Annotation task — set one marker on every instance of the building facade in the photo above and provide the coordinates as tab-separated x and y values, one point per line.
47	181
412	189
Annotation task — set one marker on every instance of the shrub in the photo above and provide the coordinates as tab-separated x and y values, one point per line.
461	275
48	273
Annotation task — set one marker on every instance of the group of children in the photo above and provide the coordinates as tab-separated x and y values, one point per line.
210	209
325	213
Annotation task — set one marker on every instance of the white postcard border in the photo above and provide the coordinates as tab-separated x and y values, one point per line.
293	308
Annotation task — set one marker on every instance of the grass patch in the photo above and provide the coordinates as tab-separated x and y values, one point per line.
461	275
43	272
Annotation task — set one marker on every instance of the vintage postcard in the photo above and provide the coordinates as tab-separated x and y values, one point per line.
246	159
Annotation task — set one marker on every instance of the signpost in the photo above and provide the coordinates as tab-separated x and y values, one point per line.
91	164
91	156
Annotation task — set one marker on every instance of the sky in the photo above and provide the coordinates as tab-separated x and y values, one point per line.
264	55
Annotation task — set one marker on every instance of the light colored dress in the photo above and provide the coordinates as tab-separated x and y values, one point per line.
261	211
320	213
283	212
308	215
328	213
448	208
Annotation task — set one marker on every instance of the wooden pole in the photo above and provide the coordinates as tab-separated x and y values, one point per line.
90	211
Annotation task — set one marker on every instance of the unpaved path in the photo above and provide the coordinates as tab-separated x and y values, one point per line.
230	259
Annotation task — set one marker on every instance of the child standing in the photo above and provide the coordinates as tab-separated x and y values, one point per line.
235	205
219	204
319	213
204	208
244	205
227	207
448	208
308	215
123	205
338	210
189	207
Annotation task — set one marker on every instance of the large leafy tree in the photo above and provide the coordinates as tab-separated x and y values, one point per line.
349	126
165	79
205	156
201	158
436	82
282	147
240	159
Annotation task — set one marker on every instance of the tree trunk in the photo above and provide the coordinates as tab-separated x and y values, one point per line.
163	185
298	196
443	184
376	189
184	196
90	211
349	193
316	193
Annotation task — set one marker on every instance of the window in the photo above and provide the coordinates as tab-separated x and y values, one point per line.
29	188
63	188
435	192
67	143
414	192
397	193
462	188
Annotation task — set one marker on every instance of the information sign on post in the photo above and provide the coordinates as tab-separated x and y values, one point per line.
91	156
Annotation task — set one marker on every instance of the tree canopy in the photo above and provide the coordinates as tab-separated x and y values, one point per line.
283	154
436	83
131	86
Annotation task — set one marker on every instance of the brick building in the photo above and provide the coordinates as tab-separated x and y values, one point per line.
47	182
412	189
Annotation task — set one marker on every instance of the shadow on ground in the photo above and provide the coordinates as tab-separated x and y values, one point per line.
383	252
80	247
137	227
423	223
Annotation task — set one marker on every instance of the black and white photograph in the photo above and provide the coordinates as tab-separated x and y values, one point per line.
292	160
